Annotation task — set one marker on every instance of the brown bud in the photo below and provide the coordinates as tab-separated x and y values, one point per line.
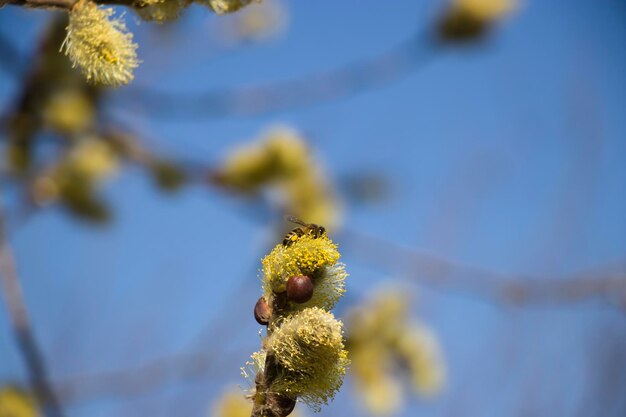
299	289
262	312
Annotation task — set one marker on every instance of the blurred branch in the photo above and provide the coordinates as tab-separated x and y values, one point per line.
198	362
58	4
438	272
415	52
18	315
143	378
12	61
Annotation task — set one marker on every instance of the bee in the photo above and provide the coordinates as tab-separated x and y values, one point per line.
312	230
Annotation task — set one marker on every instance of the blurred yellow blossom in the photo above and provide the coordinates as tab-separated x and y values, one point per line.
17	403
281	162
160	11
468	19
92	158
485	10
258	22
227	6
74	179
232	403
380	336
69	111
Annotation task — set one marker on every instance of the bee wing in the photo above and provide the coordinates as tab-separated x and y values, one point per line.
296	220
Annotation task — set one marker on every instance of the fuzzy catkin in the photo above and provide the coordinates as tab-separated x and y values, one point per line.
309	346
100	45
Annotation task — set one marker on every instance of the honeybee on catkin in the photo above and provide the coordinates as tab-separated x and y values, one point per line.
310	229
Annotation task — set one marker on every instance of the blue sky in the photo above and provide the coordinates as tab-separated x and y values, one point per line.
491	163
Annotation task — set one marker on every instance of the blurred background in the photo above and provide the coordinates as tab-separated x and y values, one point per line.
473	174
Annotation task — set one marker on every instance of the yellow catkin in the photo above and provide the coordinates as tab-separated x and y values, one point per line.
419	347
309	346
160	11
100	45
380	335
17	403
314	257
69	111
281	161
256	23
92	158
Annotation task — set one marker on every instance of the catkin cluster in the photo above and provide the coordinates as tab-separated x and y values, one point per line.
73	181
381	336
279	164
103	48
303	356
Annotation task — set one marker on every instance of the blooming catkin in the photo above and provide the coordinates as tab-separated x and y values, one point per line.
313	257
100	45
303	356
309	346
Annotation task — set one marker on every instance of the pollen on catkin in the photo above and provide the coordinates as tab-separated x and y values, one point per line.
313	257
100	45
309	346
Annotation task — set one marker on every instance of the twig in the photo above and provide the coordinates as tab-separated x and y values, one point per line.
59	4
13	63
144	378
27	344
399	61
495	286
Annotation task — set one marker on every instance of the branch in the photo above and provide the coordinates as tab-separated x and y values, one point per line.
415	52
445	274
451	275
144	378
59	4
12	60
27	344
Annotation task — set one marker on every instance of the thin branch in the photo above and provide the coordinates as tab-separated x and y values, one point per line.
18	314
415	52
599	284
13	63
146	377
59	4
